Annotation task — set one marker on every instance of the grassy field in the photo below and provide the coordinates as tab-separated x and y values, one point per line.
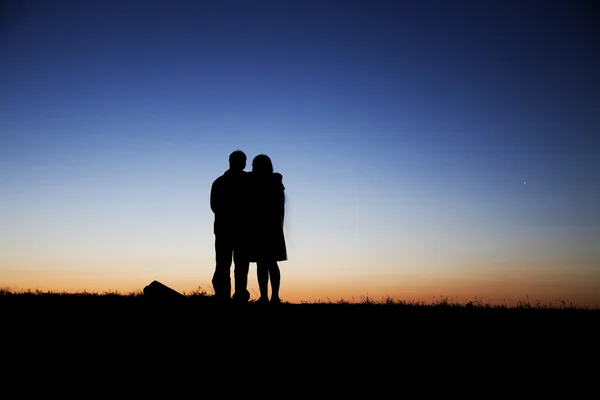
334	348
333	315
200	298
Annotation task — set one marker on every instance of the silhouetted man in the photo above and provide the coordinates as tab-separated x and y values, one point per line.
228	202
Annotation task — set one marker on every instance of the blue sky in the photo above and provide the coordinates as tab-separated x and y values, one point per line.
428	148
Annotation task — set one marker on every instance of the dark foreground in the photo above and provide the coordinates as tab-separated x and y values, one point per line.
201	315
136	345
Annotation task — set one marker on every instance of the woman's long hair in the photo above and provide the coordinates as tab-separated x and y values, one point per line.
261	164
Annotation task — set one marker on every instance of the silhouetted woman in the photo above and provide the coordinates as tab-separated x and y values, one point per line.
266	237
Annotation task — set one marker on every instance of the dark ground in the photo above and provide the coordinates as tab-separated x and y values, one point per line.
347	350
363	321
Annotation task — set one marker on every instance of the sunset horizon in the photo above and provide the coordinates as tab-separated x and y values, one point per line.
428	149
504	291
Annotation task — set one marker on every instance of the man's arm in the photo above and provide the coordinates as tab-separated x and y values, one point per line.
215	201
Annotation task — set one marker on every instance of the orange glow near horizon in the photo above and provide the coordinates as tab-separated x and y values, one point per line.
494	291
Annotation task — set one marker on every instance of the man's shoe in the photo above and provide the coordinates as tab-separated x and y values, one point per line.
241	298
262	300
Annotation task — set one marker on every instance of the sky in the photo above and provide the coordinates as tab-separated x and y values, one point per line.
429	149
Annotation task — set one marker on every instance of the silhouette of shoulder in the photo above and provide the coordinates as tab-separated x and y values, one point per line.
227	189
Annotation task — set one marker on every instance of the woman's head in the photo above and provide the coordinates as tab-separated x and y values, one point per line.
262	164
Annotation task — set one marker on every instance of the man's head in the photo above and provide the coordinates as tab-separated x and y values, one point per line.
237	160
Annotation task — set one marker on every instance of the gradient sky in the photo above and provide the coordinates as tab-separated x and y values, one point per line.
429	149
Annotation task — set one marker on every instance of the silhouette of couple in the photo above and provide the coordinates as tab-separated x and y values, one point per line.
249	210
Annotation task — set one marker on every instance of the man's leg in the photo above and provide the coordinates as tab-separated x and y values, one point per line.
242	265
221	280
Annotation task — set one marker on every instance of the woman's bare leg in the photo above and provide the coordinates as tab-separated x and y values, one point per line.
275	276
262	275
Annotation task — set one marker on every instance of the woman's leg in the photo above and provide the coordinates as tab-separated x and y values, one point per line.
262	275
275	276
